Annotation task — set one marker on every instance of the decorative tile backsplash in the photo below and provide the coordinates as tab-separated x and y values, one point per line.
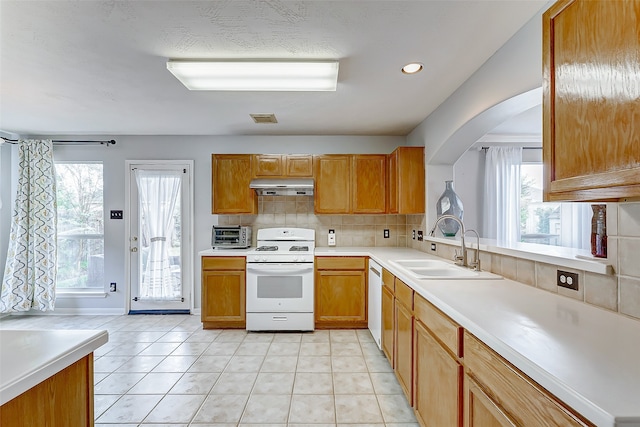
297	211
619	293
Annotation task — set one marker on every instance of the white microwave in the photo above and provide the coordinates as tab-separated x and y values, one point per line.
230	237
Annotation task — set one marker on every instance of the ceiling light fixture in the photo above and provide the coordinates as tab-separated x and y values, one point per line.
255	75
412	68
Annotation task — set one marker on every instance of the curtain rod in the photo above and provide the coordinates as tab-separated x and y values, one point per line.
524	148
67	142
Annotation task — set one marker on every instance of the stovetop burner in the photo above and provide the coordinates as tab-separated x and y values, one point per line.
267	248
299	249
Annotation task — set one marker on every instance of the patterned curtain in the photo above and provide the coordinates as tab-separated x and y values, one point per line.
30	270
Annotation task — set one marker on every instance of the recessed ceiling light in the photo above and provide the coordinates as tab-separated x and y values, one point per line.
256	75
412	68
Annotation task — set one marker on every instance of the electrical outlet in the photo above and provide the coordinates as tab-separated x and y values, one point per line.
331	240
568	280
386	233
116	214
433	247
112	287
413	234
419	235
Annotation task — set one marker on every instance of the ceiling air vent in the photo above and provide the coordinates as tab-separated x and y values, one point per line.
264	118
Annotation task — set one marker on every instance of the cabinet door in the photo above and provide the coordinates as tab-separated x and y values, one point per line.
406	180
388	316
481	411
368	183
341	298
267	165
332	184
230	178
299	165
404	349
437	383
223	298
392	182
591	118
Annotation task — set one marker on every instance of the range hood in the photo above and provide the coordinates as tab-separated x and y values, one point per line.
283	187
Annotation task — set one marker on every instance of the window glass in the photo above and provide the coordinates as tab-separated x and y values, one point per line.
80	226
550	223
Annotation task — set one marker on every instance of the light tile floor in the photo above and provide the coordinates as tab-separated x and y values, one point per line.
167	371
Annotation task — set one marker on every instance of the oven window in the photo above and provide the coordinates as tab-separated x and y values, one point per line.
280	287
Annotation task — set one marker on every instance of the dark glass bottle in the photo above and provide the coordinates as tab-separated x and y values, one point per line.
599	231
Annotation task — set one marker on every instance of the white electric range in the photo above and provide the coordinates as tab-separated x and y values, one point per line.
280	276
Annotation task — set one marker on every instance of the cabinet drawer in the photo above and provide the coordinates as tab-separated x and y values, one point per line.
404	294
341	263
443	328
223	263
520	397
388	280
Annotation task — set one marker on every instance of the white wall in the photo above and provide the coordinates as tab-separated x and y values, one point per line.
515	69
468	178
198	149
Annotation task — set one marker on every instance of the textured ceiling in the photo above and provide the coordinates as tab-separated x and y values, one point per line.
99	67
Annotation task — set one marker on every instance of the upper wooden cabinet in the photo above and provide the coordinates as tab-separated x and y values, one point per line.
267	165
282	165
406	191
332	193
300	165
350	183
368	183
591	113
230	178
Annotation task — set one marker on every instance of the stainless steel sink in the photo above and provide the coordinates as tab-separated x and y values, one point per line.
440	270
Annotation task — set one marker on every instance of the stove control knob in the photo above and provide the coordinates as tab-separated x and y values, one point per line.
264	259
256	258
295	259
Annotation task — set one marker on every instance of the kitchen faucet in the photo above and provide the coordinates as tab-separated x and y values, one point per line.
462	258
476	261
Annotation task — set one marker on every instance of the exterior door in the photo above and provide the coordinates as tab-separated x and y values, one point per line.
160	253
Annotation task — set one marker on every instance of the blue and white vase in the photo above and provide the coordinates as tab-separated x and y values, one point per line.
449	204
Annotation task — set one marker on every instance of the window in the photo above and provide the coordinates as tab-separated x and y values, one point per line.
549	223
80	226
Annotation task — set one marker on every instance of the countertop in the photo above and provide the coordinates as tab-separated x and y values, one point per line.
28	357
587	356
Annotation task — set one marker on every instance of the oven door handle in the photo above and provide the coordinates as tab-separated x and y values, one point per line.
278	269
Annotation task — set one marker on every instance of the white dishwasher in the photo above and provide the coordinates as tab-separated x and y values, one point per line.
375	301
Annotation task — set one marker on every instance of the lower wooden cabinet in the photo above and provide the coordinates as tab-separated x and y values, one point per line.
404	338
453	379
502	394
223	292
341	292
388	315
437	381
480	410
62	400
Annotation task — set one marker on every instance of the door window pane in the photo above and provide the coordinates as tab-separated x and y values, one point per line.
79	198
